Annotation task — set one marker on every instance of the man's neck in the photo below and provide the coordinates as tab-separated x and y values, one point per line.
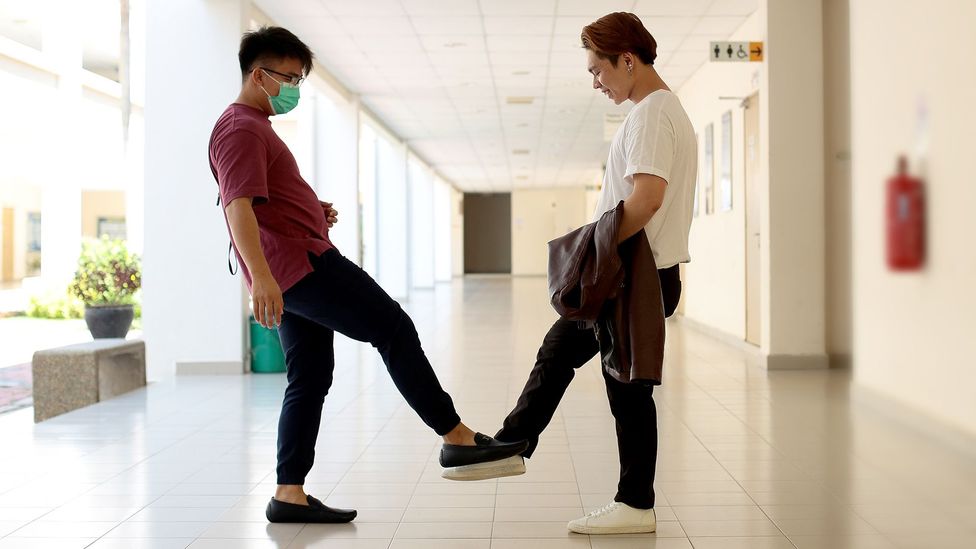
245	99
647	85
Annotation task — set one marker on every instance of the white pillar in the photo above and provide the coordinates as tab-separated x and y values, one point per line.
422	244
194	311
457	232
442	231
392	220
369	240
791	112
61	195
337	167
135	153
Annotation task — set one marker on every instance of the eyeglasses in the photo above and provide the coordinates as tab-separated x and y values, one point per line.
289	78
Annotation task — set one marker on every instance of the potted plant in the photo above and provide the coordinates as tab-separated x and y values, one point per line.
107	279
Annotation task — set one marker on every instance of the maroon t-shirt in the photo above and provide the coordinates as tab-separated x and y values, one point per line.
250	160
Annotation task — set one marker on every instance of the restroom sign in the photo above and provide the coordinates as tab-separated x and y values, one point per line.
735	52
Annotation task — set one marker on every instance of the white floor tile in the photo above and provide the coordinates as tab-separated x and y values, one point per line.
748	458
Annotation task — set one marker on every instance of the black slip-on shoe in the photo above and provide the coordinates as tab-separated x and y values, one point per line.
315	512
485	449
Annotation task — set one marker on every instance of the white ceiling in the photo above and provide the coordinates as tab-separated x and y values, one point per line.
440	72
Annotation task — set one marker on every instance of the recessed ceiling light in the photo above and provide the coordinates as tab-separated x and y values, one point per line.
519	100
455	45
521	73
520	151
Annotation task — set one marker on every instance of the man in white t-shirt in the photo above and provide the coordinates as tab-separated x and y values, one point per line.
652	168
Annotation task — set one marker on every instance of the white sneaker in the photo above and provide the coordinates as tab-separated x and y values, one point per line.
616	518
508	467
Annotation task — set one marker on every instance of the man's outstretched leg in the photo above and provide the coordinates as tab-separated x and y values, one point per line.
566	347
340	296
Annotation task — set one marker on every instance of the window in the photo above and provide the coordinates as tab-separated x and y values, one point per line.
33	231
112	227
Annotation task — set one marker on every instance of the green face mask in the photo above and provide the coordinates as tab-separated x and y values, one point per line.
287	98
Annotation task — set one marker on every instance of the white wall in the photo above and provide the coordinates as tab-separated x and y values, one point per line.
913	337
715	278
538	216
792	235
193	310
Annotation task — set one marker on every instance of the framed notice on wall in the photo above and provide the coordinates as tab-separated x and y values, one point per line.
708	170
725	177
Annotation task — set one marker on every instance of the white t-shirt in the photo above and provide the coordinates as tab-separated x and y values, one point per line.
656	138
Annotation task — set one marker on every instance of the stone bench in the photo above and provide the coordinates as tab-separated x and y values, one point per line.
72	377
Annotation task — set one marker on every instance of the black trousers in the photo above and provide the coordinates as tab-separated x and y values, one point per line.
567	347
338	296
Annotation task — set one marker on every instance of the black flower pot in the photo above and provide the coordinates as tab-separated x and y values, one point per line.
109	321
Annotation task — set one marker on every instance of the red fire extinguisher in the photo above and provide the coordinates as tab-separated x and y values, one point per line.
906	220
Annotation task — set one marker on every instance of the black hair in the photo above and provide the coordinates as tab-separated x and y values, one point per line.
272	43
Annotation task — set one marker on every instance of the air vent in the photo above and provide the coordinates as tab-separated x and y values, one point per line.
519	100
521	73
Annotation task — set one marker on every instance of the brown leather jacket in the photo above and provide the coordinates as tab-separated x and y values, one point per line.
616	290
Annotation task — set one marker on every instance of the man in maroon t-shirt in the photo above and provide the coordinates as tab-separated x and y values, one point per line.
300	283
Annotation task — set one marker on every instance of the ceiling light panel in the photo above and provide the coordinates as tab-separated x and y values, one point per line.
440	7
670	7
518	7
518	43
464	25
372	8
508	26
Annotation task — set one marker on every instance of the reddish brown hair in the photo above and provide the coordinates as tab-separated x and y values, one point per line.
612	35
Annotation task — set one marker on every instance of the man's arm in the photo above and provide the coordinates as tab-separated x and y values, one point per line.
265	293
642	204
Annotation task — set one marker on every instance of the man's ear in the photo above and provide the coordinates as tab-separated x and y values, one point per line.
255	76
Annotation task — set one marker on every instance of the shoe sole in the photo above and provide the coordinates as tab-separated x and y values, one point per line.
508	467
609	530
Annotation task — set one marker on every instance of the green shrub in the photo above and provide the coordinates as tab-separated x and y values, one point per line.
51	305
108	274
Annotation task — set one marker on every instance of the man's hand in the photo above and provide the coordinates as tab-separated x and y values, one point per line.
267	300
331	214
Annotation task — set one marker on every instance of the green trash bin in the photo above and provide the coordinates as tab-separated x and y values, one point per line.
266	354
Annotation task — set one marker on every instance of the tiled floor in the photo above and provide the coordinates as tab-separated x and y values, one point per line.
748	459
